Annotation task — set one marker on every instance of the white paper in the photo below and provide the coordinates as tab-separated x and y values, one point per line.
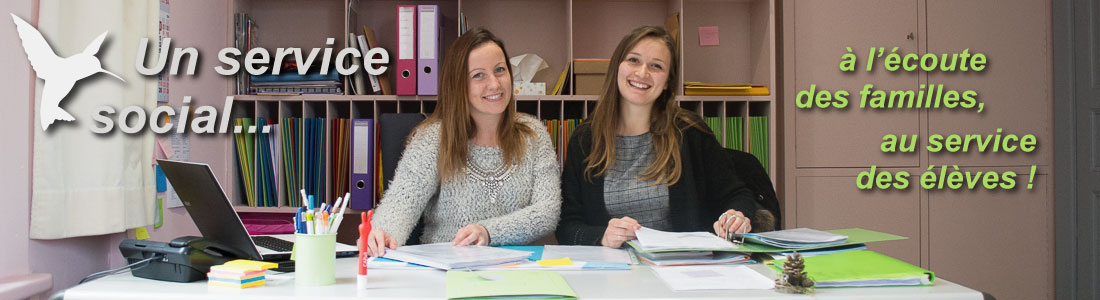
652	239
181	151
713	278
586	253
526	65
428	31
405	33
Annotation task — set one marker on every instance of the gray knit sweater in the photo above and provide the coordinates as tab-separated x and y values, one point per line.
526	207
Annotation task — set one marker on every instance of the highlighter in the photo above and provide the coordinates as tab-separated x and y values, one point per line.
364	233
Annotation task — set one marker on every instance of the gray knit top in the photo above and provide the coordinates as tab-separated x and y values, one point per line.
517	206
625	195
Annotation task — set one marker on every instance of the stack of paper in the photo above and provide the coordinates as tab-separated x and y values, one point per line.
652	239
692	258
861	268
239	273
855	236
660	248
447	257
717	89
504	284
797	238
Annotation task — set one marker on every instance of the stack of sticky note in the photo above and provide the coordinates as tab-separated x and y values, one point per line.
240	273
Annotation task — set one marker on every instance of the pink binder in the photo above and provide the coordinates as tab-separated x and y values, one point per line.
427	59
406	50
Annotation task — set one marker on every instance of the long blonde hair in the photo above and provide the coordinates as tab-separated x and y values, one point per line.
666	114
457	127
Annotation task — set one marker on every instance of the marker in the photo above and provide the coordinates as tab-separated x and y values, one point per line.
364	233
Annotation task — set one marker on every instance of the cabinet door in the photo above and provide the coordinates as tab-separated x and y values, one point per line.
833	202
850	137
1000	243
1016	85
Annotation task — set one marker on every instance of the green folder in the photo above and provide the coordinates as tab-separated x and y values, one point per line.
855	236
508	284
861	268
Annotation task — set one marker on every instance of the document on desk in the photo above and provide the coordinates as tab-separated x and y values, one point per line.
586	253
713	278
508	284
652	239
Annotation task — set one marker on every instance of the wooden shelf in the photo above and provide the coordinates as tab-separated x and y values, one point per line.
767	98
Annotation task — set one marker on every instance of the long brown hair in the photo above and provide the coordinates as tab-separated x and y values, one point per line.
453	110
666	114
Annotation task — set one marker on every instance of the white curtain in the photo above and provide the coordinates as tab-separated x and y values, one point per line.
87	183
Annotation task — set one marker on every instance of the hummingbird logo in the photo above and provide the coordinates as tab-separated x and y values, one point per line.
59	74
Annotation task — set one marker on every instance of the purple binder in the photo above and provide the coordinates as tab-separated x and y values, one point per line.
362	164
427	59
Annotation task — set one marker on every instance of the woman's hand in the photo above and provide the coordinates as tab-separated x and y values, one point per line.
378	241
619	230
472	234
732	221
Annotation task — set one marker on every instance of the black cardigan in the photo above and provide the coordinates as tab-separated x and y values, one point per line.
708	187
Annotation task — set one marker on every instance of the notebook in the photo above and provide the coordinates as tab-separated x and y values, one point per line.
860	269
449	257
797	238
210	209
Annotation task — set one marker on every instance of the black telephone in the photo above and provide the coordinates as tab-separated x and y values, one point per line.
184	259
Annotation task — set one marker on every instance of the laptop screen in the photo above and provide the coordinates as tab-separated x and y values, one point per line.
208	206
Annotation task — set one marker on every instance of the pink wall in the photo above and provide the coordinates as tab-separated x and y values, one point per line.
198	24
14	131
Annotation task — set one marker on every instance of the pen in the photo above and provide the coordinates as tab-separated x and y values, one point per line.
300	220
309	222
305	200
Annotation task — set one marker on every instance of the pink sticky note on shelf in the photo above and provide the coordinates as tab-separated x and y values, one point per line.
708	35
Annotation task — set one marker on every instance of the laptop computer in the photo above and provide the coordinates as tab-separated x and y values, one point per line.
206	202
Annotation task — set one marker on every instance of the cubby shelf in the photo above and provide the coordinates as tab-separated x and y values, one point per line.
559	31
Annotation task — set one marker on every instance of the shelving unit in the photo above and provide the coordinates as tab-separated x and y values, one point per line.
559	31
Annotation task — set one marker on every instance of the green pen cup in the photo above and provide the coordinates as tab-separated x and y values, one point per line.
314	259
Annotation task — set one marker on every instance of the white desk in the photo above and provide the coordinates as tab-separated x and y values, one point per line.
638	283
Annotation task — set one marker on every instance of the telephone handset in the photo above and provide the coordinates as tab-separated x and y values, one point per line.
184	259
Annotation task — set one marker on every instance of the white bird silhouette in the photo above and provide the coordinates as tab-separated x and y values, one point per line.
59	74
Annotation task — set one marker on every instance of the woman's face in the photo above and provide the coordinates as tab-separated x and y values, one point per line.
643	73
490	83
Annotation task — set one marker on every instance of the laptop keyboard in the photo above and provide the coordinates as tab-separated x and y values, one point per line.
268	242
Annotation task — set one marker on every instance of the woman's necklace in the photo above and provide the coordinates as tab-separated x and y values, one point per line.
491	180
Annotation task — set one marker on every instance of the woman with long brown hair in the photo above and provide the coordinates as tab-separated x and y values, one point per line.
478	171
641	160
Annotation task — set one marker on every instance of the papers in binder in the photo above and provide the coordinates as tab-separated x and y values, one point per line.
652	239
796	238
448	257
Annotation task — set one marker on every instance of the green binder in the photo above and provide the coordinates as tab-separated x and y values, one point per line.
508	284
860	269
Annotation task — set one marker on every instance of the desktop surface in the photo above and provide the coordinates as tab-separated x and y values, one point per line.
638	283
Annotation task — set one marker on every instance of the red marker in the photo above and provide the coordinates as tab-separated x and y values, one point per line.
364	234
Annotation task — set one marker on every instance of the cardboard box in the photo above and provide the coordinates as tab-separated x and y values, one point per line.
589	74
